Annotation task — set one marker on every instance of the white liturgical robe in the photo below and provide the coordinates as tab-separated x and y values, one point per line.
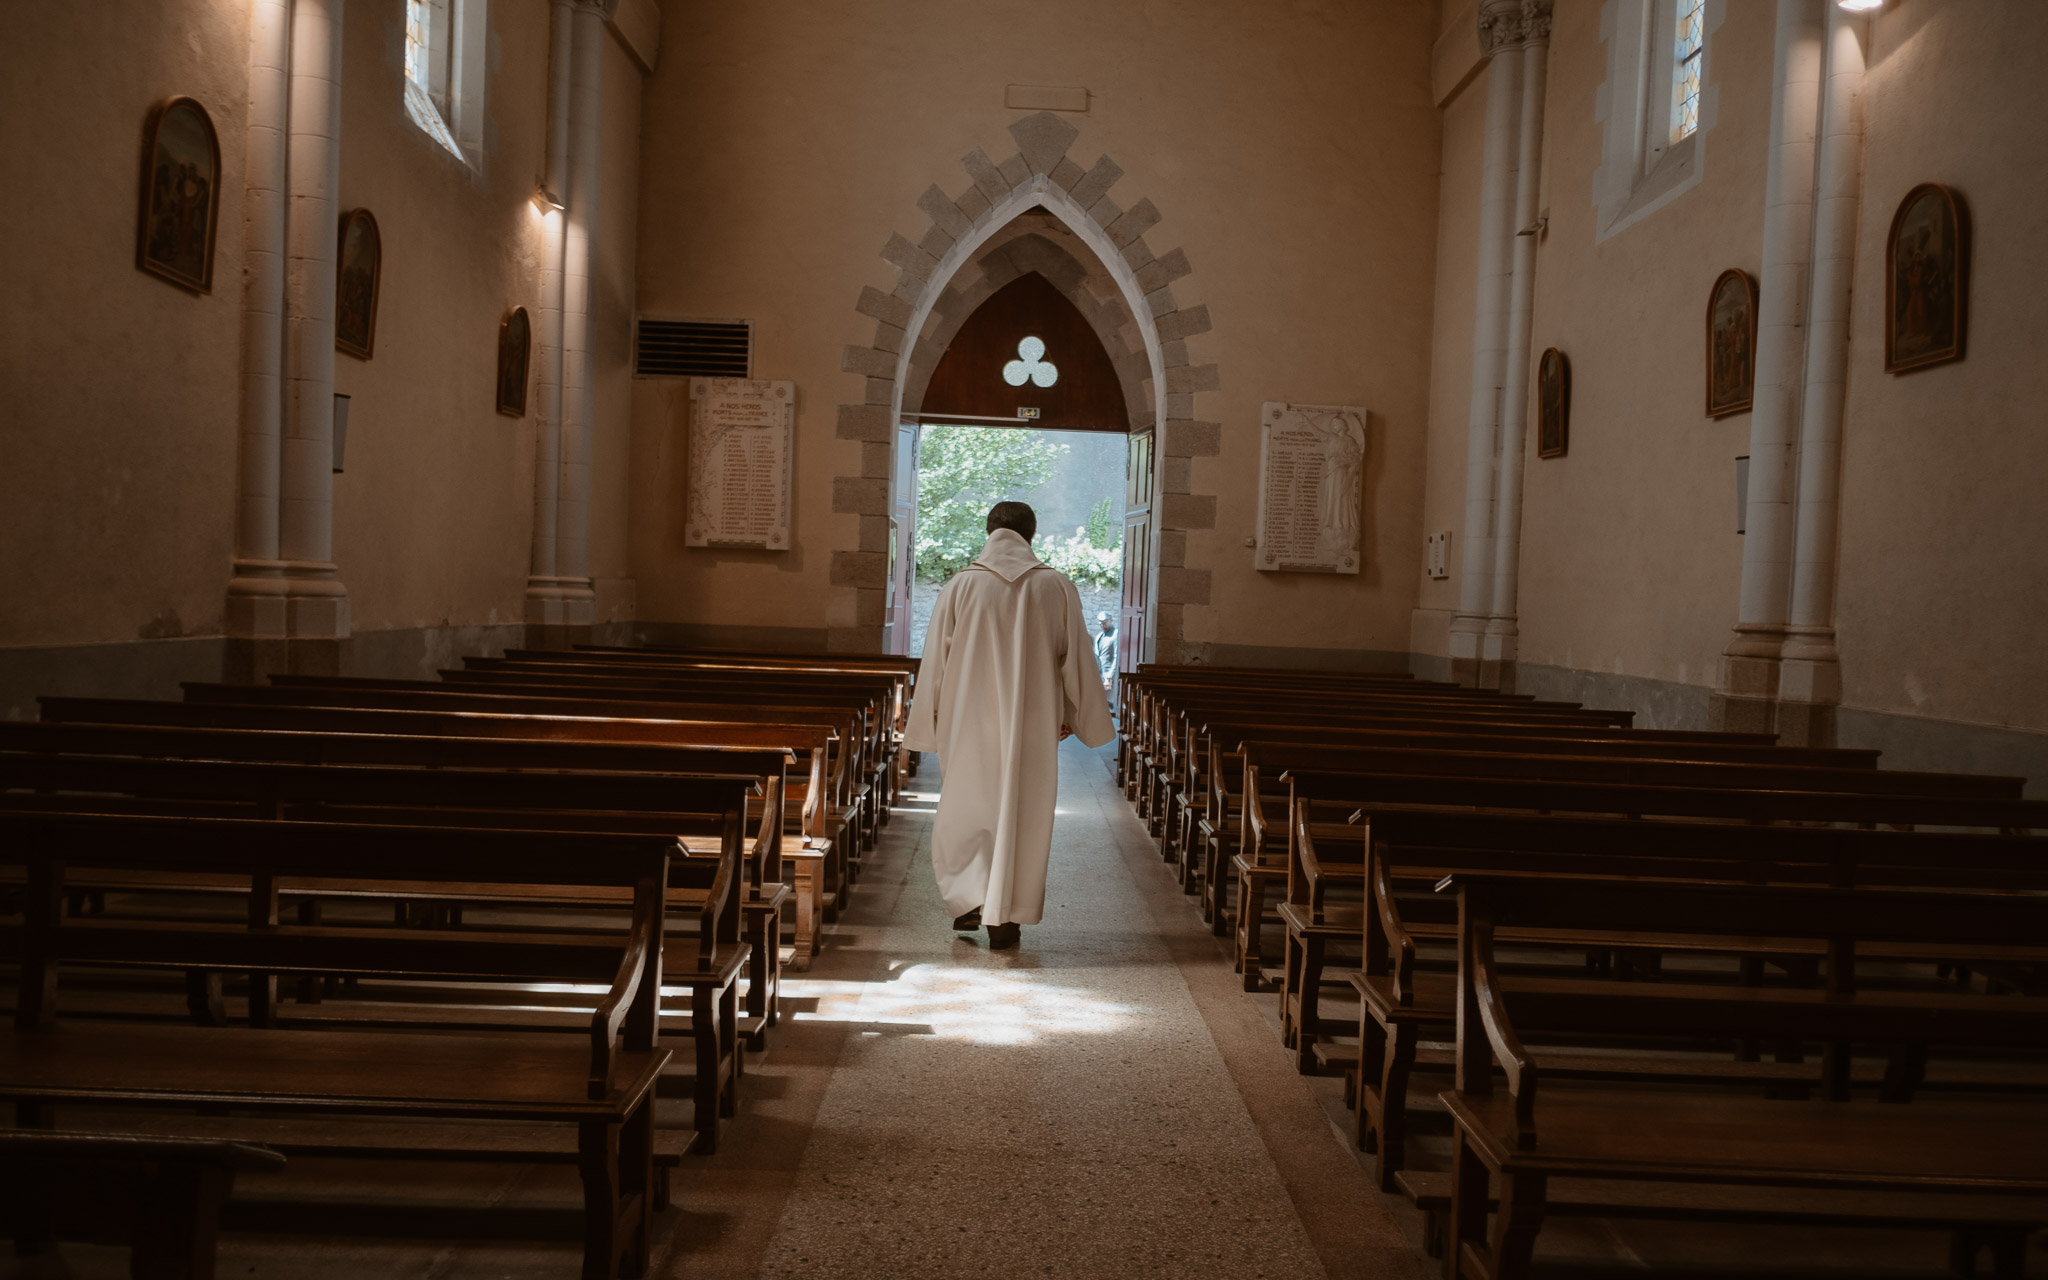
1007	662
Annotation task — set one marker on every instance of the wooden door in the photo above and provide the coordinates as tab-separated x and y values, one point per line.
902	541
1137	574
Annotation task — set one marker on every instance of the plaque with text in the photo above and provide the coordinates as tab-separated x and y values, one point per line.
742	432
1311	475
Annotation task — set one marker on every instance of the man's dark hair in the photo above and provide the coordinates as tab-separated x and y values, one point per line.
1018	517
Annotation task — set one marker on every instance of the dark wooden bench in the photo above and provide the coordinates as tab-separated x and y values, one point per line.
316	735
1967	1165
602	1082
1411	848
160	1198
709	809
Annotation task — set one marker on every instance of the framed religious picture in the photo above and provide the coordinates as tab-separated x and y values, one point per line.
1927	279
1731	344
180	195
1553	404
515	344
359	261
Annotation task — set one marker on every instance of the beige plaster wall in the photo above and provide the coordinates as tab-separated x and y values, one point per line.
1630	563
1630	559
1291	149
433	517
1944	581
122	392
118	391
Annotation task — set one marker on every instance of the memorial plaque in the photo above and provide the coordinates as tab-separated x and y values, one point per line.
1311	473
742	431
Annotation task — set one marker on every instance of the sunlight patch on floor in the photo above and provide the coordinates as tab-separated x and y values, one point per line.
981	1006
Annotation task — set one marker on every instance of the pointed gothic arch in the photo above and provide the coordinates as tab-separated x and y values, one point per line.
1039	176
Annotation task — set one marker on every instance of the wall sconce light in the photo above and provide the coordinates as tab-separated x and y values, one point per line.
545	200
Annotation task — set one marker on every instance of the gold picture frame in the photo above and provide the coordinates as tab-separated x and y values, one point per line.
1731	344
180	198
358	272
1926	279
1553	404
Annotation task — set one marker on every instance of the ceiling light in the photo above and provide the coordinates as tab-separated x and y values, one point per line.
1860	6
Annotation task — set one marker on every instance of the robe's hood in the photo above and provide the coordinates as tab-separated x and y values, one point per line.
1008	554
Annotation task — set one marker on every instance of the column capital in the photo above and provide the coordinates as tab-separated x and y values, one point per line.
1506	25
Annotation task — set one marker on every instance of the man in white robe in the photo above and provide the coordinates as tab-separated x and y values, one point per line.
1008	673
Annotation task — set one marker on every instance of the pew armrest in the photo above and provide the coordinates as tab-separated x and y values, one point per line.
634	1001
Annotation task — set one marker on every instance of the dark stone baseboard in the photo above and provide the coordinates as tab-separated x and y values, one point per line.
1261	655
710	636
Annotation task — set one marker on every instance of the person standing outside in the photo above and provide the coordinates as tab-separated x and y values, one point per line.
1105	647
1007	675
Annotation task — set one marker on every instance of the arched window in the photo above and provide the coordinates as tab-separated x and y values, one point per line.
444	72
1688	50
1657	106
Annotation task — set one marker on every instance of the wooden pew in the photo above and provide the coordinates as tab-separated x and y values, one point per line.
1960	1164
160	1198
842	805
1406	847
377	735
710	808
601	1083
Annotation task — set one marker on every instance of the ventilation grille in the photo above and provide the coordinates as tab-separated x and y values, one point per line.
693	348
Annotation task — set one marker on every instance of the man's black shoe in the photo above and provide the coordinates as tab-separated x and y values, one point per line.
969	922
1004	937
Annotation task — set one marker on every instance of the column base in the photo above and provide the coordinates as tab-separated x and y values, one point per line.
285	617
560	612
1467	644
1497	652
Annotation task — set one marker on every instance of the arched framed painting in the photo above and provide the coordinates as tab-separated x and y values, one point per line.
1553	404
1926	280
1731	344
515	346
359	264
180	195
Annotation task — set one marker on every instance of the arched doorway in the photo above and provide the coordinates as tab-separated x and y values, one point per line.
1128	294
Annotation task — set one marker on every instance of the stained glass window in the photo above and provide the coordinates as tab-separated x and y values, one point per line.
1688	50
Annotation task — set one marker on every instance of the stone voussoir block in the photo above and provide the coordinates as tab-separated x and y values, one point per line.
864	422
1180	404
863	496
1183	586
1137	254
1105	211
867	361
987	178
860	569
1193	377
1172	355
1136	221
1176	475
1015	171
945	214
883	307
1184	324
907	257
1173	549
870	607
1160	302
1094	184
972	204
1043	139
1163	271
881	391
1186	438
1066	173
888	337
936	242
1182	510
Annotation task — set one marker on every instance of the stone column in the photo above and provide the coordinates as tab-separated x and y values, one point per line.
544	600
255	615
316	603
1500	32
1810	682
1746	700
1497	652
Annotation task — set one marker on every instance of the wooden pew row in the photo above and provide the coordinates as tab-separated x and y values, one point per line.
1255	869
1164	725
1977	1168
382	736
160	1198
709	808
892	689
1402	849
856	715
842	801
585	761
601	1083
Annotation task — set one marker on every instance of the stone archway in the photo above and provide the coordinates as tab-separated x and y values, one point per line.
911	326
